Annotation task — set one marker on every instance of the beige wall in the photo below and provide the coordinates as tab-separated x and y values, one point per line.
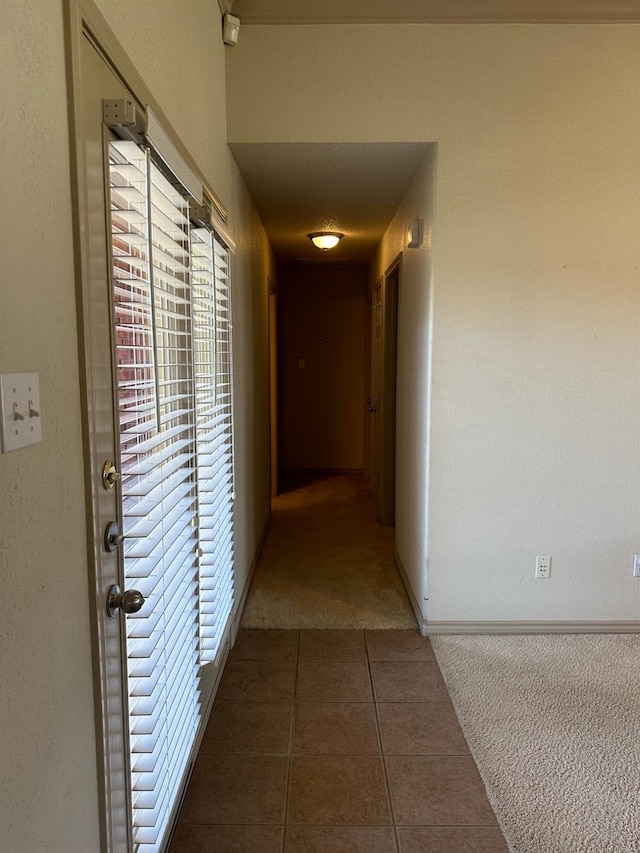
252	266
322	402
535	399
48	784
49	791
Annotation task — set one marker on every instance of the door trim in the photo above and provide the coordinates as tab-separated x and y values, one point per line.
390	301
97	406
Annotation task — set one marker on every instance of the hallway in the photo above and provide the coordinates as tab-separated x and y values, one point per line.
327	561
334	742
328	733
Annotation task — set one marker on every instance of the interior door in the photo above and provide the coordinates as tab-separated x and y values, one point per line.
273	387
382	405
375	402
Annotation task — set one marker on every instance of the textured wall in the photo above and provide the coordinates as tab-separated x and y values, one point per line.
177	49
252	267
536	388
323	403
48	787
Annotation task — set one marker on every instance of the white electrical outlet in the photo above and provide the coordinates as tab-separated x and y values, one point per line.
543	567
636	566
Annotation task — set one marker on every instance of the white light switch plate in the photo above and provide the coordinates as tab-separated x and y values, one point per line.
543	567
20	410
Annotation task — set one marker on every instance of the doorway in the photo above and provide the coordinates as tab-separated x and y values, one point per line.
154	313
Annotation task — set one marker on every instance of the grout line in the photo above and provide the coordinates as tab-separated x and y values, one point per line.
382	755
290	753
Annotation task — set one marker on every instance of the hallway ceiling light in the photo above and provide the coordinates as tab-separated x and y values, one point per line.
325	239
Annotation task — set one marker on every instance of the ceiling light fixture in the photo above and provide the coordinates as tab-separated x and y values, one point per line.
325	239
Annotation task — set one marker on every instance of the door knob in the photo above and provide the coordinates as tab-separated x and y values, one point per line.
129	601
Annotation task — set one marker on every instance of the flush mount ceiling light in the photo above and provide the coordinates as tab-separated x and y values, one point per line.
325	239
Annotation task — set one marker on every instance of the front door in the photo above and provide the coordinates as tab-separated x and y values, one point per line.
94	81
155	327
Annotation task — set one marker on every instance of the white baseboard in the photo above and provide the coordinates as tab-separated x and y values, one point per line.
531	627
252	570
422	622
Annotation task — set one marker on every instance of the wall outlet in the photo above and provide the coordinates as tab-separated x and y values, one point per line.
543	567
636	566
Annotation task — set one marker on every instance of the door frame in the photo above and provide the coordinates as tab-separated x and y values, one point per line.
274	435
381	435
390	301
98	409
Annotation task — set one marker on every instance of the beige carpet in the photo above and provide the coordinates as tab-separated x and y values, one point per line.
327	562
553	723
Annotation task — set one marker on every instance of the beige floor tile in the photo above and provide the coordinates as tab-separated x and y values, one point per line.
451	839
227	839
258	681
437	791
340	839
344	728
420	728
332	645
333	681
403	681
248	727
236	789
265	645
338	790
398	645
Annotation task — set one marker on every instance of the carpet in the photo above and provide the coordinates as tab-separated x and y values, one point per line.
327	562
553	723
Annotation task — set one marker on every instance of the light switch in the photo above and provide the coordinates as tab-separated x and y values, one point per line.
20	410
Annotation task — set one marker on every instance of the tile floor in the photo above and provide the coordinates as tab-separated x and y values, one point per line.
334	742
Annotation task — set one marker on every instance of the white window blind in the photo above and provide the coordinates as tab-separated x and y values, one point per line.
212	329
172	332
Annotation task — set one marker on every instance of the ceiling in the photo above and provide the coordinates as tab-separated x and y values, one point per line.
354	188
432	11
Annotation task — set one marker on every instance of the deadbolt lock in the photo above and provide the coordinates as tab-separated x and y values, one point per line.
112	537
109	475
